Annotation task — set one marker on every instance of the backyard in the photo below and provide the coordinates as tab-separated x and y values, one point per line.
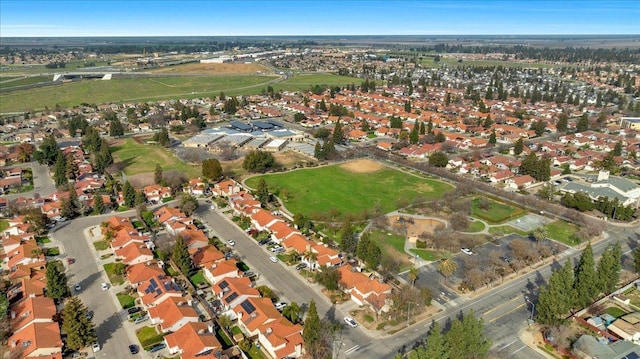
352	189
148	336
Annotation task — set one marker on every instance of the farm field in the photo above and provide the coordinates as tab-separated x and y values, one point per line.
350	188
123	90
141	158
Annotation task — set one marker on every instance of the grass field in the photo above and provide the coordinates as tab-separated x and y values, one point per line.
13	82
476	226
332	188
123	90
304	81
141	158
498	212
563	232
4	224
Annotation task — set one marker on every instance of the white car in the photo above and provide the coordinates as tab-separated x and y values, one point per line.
466	251
280	305
231	242
104	286
350	322
95	347
77	287
273	259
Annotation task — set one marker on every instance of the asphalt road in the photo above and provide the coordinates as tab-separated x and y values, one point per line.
42	183
108	318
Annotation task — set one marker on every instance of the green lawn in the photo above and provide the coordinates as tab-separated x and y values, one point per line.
4	224
305	81
563	232
198	278
116	279
506	229
224	339
128	90
101	245
50	252
615	312
497	212
255	353
41	240
141	158
314	192
6	83
427	255
476	226
126	301
148	336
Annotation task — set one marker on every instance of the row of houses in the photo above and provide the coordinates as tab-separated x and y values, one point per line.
34	333
363	290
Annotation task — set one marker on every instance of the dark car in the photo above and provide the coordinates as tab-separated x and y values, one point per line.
133	310
301	266
157	348
133	349
89	314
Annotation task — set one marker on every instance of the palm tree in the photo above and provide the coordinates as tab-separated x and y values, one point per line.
413	275
292	312
447	266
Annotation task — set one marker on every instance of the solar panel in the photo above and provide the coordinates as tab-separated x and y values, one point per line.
632	355
231	297
223	284
248	307
153	285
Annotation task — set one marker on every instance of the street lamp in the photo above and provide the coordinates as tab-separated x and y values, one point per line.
533	308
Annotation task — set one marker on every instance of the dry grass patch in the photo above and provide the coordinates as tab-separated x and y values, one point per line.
214	69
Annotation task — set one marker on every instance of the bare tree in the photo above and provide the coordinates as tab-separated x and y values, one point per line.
459	221
523	250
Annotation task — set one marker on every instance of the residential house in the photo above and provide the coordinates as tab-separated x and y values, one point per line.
365	290
36	340
231	291
156	289
156	193
220	270
134	253
194	340
140	272
172	314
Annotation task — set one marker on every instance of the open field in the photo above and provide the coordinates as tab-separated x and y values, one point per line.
141	158
497	212
6	82
124	90
563	232
305	81
335	188
215	69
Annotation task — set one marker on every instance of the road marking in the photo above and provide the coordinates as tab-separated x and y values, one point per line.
505	346
522	347
501	304
512	310
352	349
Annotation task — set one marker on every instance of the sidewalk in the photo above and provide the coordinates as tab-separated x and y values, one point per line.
532	337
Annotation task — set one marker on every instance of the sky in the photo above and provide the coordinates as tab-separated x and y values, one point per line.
26	18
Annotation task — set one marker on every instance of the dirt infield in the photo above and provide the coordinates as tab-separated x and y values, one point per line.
361	166
415	226
214	69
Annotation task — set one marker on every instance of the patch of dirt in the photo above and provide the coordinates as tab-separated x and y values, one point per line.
141	180
215	69
362	166
415	226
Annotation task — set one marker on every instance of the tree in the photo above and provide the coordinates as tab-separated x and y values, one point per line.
48	151
211	169
583	123
78	327
608	270
414	135
258	161
413	275
311	330
98	204
181	257
475	343
518	147
188	203
225	321
292	312
348	239
617	150
447	266
585	285
563	123
60	170
329	277
115	128
492	138
636	259
157	175
369	252
435	346
129	194
162	137
438	159
57	287
298	116
338	133
262	191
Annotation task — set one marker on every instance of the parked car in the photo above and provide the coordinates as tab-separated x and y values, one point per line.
95	347
141	319
273	259
262	242
77	287
280	305
157	348
133	349
350	322
505	259
231	242
104	286
89	314
249	273
301	266
466	251
71	260
133	310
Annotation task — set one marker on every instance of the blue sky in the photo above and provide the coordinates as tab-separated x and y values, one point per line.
314	17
